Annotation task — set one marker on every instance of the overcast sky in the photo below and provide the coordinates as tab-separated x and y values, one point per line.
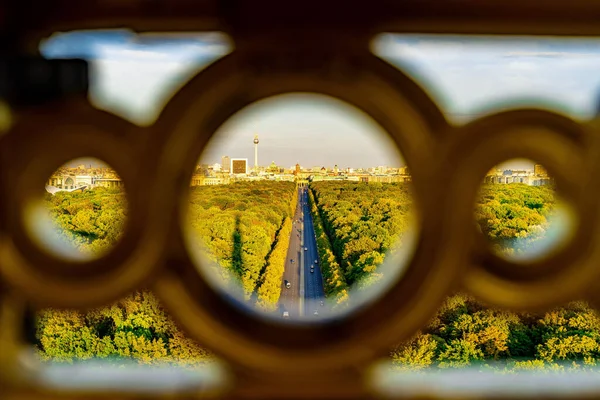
134	77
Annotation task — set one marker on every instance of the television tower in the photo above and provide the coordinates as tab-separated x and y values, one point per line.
256	153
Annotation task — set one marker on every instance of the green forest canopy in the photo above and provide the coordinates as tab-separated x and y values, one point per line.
239	226
364	221
514	217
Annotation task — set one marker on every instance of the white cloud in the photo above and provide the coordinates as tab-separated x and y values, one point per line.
113	53
135	81
136	90
466	75
134	78
551	54
523	65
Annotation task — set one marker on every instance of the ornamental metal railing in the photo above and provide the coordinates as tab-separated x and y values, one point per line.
279	48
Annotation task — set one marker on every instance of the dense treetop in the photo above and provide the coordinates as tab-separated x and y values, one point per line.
514	217
245	228
237	225
92	221
365	223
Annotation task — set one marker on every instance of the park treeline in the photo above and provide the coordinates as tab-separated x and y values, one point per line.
244	227
515	217
91	221
357	224
334	282
134	328
238	226
363	222
466	333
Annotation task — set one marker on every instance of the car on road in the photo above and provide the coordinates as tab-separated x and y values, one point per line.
306	249
316	261
312	268
322	303
286	314
287	284
316	312
292	260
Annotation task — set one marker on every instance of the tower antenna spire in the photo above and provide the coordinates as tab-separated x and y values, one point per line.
256	153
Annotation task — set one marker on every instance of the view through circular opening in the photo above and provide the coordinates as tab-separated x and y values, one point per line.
301	209
520	213
82	213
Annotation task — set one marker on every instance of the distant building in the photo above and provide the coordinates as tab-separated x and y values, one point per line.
55	180
203	180
71	181
82	178
494	171
539	170
225	164
365	178
68	182
109	182
273	168
530	178
510	172
239	166
384	178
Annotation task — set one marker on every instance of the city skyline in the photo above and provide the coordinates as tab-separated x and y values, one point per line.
515	164
134	76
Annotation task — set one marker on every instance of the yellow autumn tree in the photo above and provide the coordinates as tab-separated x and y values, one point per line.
237	225
134	328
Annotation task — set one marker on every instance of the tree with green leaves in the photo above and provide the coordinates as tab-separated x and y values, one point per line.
244	228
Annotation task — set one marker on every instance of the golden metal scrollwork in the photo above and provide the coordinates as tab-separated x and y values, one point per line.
37	144
558	143
447	164
186	125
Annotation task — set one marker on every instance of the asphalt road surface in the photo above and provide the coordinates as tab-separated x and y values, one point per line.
313	281
302	300
290	297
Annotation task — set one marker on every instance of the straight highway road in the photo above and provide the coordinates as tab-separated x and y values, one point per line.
305	294
314	293
290	297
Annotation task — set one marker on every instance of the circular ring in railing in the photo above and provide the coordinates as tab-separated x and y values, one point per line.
592	204
403	110
35	147
557	143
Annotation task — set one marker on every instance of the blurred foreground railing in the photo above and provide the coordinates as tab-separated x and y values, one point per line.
304	47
